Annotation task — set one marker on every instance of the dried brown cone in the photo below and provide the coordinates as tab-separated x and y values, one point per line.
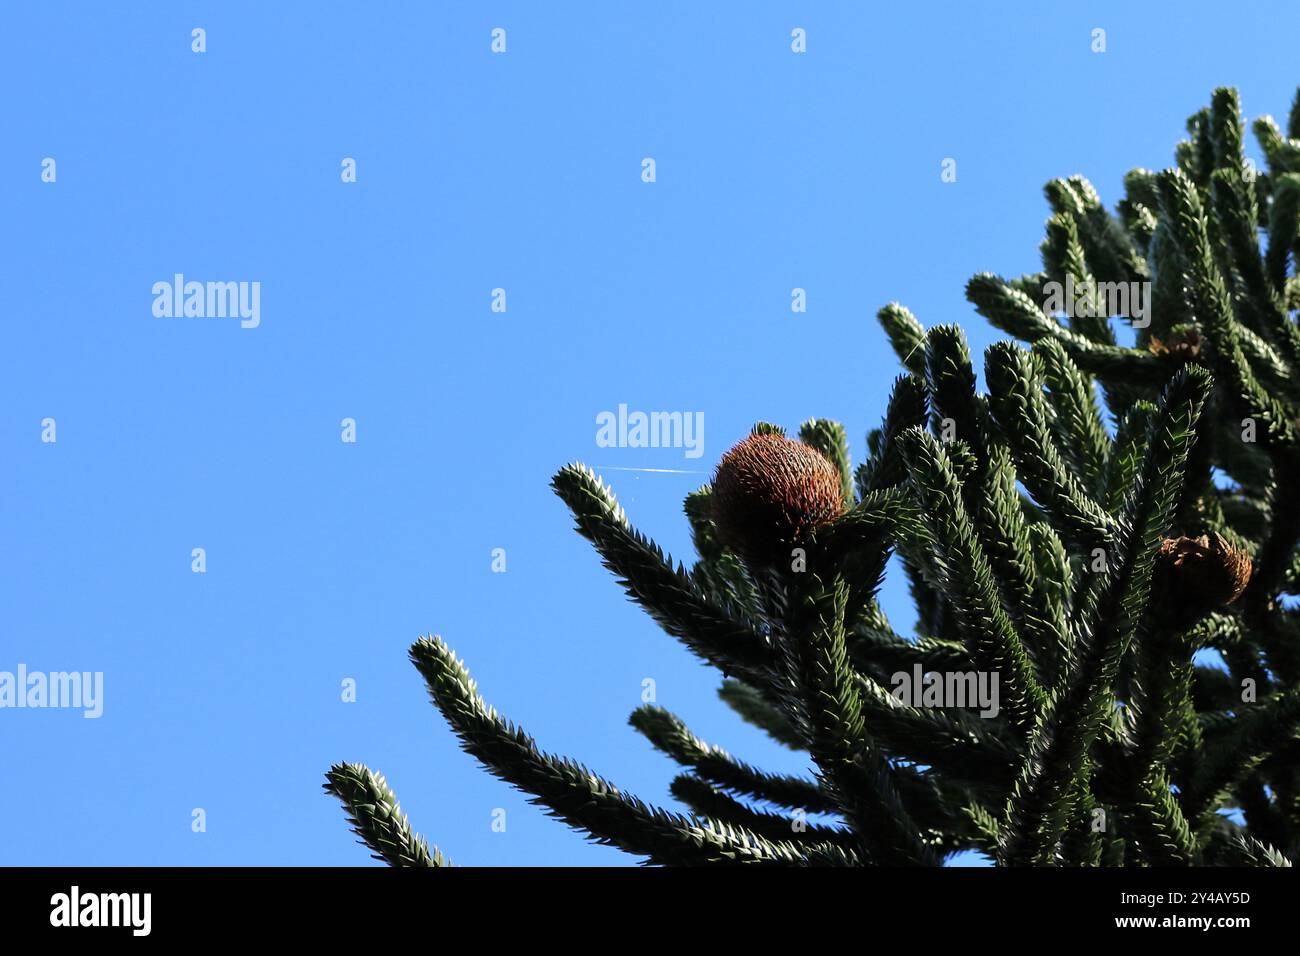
770	493
1193	576
1184	346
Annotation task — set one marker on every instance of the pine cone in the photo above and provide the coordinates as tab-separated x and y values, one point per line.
1184	346
769	493
1193	576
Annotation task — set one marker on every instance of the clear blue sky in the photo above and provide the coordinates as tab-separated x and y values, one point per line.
476	171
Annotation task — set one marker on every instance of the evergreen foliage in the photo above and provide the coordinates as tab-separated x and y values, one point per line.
1083	530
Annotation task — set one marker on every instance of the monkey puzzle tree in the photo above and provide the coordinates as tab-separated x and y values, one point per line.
1091	562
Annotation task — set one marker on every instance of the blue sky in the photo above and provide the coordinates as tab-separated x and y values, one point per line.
475	171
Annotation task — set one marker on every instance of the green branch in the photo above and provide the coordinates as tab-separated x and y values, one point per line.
376	817
572	793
